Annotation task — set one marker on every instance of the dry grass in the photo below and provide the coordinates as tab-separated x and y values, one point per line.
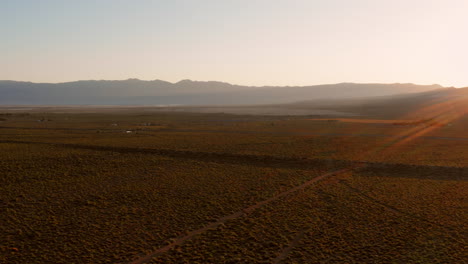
79	189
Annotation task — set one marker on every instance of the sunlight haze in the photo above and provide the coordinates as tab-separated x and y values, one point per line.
255	42
233	131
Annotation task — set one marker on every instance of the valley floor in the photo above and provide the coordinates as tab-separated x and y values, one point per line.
138	187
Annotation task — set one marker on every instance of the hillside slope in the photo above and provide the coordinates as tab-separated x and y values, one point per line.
430	104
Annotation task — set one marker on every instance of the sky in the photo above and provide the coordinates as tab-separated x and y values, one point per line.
246	42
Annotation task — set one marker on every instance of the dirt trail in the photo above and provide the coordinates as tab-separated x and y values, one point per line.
445	228
247	210
283	254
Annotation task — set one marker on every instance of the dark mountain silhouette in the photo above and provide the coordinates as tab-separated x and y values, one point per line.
186	92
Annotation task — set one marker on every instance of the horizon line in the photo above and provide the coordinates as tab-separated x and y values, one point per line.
214	81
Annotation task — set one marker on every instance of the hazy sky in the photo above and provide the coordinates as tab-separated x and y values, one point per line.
251	42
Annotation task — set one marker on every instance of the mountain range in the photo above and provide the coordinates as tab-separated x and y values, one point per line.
187	92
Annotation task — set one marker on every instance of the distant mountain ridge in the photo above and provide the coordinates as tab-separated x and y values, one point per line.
187	92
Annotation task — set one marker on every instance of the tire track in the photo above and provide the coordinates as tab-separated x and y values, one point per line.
240	213
452	232
392	208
